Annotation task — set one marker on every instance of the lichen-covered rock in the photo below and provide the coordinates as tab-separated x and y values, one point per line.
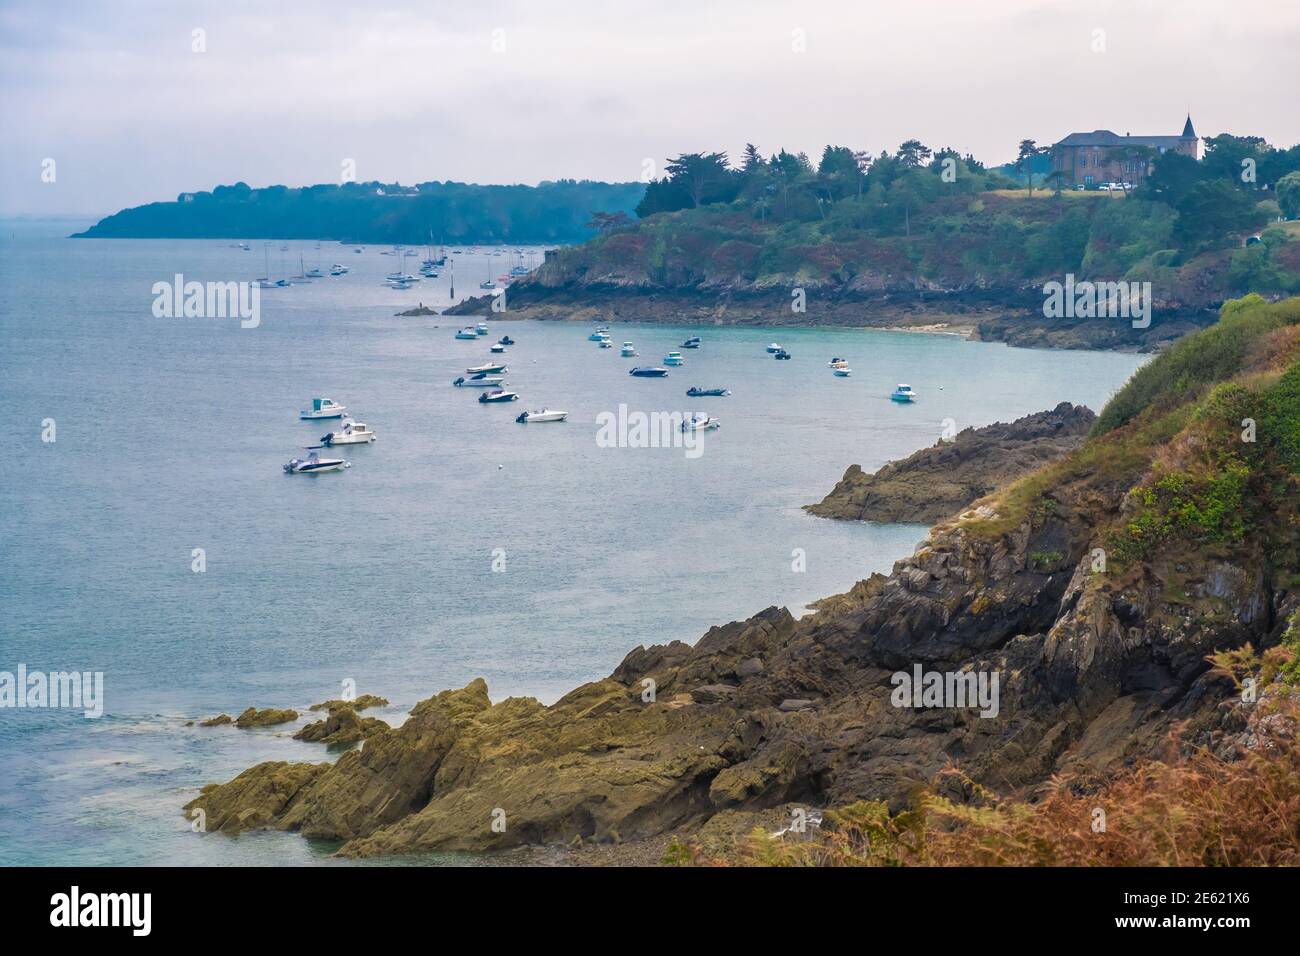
257	798
269	717
218	721
360	703
342	726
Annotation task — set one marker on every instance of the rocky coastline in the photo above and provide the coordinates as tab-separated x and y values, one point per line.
1013	316
937	482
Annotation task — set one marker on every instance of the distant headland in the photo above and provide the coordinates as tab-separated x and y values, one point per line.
458	213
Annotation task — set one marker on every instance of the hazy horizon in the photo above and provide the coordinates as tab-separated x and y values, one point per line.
508	93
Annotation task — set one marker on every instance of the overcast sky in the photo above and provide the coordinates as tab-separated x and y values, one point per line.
285	92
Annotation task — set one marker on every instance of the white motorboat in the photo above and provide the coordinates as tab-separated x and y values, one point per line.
481	328
543	415
352	433
628	350
469	334
498	395
491	368
479	380
605	343
842	371
600	333
497	349
323	408
673	358
700	422
314	464
774	348
838	363
903	393
338	270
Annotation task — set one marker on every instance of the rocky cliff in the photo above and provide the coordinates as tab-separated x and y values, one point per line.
939	481
1093	588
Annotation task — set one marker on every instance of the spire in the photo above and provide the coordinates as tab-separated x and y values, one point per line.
1188	132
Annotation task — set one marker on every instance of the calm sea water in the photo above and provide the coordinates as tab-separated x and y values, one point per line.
170	436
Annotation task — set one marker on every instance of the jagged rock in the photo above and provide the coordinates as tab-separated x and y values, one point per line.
361	703
939	481
256	798
217	721
252	717
342	726
791	704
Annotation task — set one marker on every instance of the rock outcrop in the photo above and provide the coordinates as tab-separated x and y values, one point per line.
218	721
937	482
360	703
343	726
252	717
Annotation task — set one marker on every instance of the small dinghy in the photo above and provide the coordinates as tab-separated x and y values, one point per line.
497	349
352	433
780	354
506	340
491	368
842	372
322	408
479	380
498	395
543	415
648	372
314	464
696	392
700	422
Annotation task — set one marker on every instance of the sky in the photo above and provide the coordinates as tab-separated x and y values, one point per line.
133	105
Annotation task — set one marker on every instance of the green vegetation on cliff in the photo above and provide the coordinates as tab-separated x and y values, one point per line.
936	222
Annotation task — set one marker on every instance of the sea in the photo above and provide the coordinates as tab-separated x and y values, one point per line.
149	533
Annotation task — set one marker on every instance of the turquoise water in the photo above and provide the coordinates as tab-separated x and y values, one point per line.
171	434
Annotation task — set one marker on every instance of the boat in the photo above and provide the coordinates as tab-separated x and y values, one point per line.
648	372
338	270
479	380
323	408
498	348
467	334
696	392
842	371
600	333
780	354
673	358
838	363
692	343
903	393
498	395
491	368
774	347
700	422
314	464
628	350
605	343
481	328
352	433
505	340
314	274
544	415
